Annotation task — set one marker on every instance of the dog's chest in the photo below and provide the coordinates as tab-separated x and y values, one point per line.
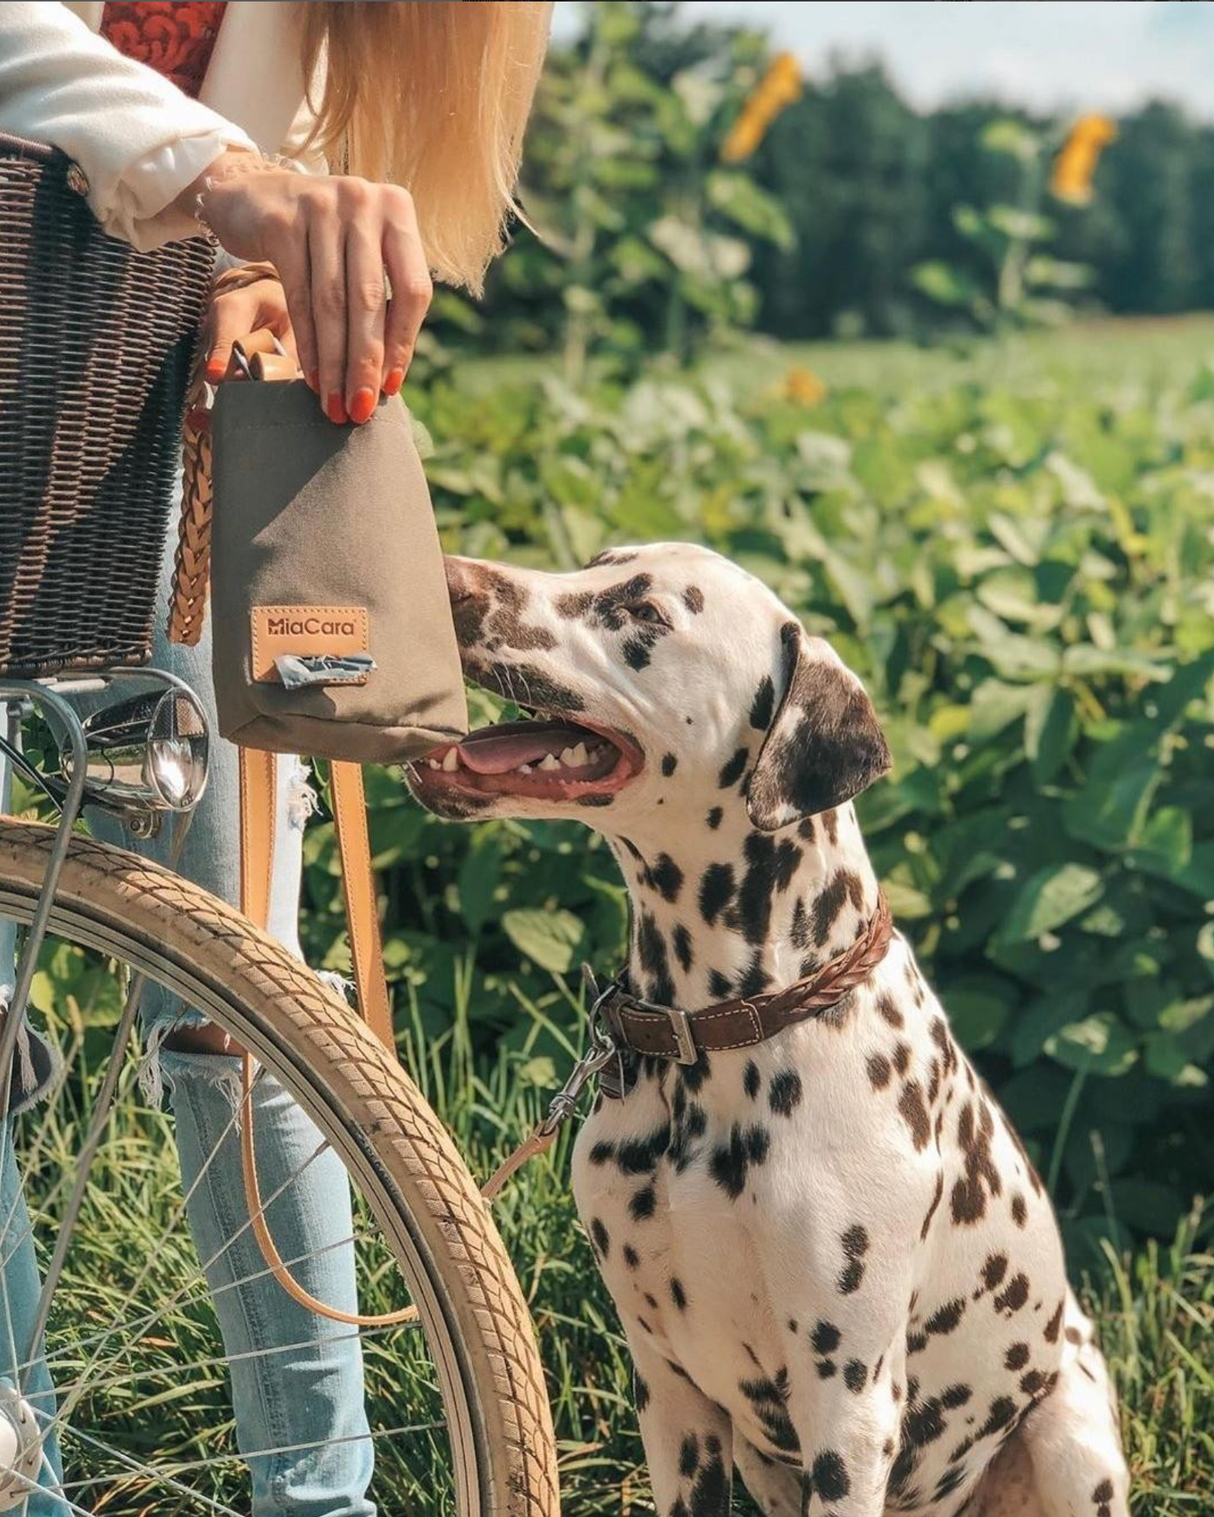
745	1209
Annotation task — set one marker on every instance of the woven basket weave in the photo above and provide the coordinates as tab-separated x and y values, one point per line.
95	348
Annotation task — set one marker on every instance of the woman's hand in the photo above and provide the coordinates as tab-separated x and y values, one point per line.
340	245
248	305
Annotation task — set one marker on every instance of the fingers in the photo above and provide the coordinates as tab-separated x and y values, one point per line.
255	316
405	260
366	295
326	256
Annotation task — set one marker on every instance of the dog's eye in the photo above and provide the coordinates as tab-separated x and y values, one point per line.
646	611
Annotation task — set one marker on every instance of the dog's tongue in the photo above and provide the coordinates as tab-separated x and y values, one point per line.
497	750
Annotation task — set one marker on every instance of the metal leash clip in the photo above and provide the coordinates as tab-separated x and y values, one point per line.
599	1053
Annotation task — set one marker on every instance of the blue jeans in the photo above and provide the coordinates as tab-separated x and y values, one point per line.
297	1379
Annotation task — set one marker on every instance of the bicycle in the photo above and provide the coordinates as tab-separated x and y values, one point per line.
139	1405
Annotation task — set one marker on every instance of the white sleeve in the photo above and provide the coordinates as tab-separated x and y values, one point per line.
139	140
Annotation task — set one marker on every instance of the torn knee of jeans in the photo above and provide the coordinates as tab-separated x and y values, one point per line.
153	1068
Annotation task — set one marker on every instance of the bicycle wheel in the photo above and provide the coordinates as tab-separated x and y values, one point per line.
455	1402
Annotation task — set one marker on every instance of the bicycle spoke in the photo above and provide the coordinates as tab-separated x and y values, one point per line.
88	1150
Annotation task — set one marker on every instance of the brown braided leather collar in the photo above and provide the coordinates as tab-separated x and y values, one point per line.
671	1033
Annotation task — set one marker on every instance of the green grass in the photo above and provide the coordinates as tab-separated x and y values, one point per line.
1098	352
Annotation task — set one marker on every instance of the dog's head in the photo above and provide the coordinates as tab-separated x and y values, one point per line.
659	677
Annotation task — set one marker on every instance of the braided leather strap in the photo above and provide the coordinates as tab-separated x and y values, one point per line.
192	563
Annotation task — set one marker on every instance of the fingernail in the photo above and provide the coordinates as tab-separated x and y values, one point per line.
335	407
362	404
396	378
215	369
314	380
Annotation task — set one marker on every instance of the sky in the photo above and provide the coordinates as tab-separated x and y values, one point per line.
1107	55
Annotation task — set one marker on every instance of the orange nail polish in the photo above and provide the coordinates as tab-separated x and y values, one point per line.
362	404
396	378
335	407
215	369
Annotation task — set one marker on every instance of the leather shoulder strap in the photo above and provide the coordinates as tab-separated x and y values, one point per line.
257	809
258	804
358	885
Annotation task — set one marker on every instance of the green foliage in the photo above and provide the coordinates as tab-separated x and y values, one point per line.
643	238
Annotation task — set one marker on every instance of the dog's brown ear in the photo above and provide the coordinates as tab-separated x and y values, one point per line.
824	745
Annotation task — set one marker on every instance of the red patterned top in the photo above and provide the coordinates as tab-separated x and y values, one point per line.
175	37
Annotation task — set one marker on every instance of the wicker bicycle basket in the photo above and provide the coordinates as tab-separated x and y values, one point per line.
95	348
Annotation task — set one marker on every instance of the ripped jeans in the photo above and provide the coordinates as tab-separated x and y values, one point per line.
296	1378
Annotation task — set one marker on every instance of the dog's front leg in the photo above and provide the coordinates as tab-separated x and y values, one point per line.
847	1372
688	1439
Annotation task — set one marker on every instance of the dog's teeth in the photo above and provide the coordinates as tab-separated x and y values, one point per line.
524	768
451	760
434	763
580	757
550	761
569	757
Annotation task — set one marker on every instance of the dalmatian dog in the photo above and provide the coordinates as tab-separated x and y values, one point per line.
838	1273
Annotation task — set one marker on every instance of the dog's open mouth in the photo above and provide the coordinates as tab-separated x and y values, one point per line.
549	759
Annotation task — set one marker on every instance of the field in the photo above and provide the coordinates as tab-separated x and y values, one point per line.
1014	546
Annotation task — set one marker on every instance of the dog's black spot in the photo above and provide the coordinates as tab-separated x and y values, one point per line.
631	1258
601	1153
931	1211
974	1136
855	1375
669	764
731	1161
1055	1322
829	1476
689	1456
770	866
666	877
731	772
843	887
751	1079
767	1398
946	1317
914	1113
1002	1416
719	985
879	1071
825	1338
683	951
901	1057
637	650
1019	1210
643	1204
993	1271
714	818
1017	1356
651	947
826	1368
1013	1296
763	705
611	605
784	1093
755	979
693	599
599	1233
612	557
716	891
889	1011
639	1156
575	605
640	1391
677	1294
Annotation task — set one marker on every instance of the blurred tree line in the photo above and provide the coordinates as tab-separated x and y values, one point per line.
646	236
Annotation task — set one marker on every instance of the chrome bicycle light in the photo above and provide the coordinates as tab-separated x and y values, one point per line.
149	751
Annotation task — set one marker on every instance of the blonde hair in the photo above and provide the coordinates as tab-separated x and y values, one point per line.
433	95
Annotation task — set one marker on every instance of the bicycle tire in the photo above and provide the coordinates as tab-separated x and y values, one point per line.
473	1313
